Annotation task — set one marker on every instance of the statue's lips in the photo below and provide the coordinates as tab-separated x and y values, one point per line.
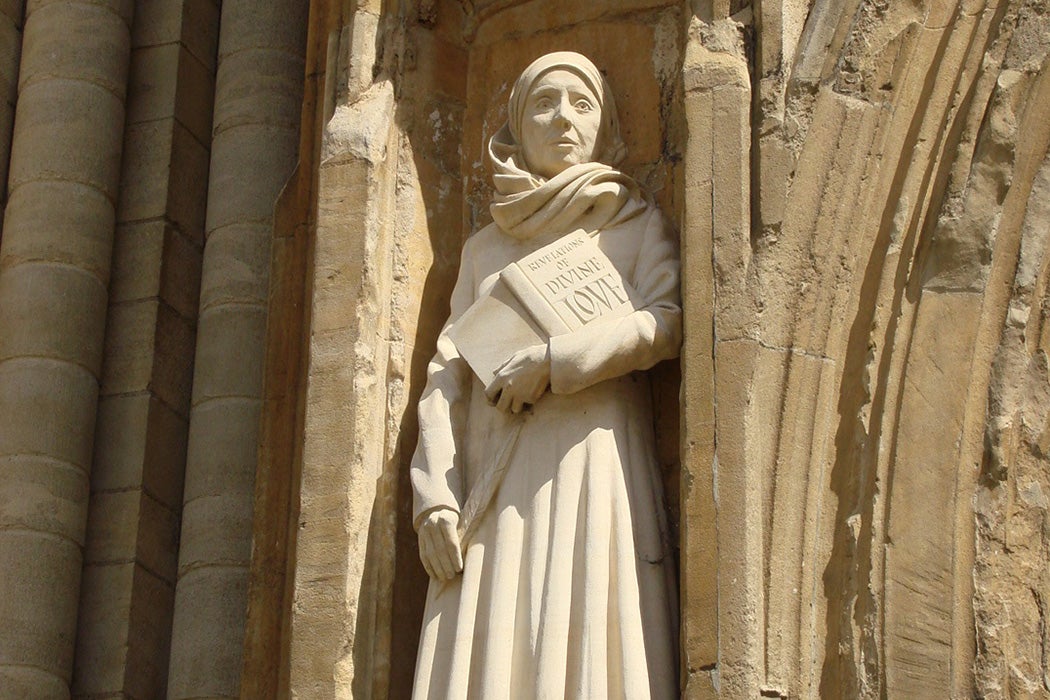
564	143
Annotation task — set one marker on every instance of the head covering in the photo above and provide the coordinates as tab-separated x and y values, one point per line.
590	196
613	149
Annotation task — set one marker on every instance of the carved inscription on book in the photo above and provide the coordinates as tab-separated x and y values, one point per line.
556	289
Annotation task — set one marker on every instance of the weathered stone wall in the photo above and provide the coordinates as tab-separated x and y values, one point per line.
897	146
100	280
1005	200
213	332
843	183
382	176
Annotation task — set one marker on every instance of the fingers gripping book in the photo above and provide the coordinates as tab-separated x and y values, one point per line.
554	290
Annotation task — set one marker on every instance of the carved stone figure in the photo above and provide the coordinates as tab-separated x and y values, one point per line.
558	580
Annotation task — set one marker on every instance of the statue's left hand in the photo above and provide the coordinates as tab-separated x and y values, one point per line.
521	380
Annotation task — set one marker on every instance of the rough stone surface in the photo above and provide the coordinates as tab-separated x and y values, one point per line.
856	434
68	121
258	85
842	230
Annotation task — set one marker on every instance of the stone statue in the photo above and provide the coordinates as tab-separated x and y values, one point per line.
562	584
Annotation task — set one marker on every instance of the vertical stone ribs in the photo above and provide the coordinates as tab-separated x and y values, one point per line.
339	636
1011	583
54	273
265	673
128	588
254	144
720	535
897	147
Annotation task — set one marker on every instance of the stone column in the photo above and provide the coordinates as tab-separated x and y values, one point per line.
54	271
10	50
255	135
721	556
127	590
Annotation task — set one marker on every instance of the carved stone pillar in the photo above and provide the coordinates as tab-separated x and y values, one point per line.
254	147
720	537
11	16
127	589
54	271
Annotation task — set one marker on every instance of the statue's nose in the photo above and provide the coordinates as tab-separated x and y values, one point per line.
561	114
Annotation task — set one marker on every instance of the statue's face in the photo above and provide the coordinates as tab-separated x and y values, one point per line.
560	124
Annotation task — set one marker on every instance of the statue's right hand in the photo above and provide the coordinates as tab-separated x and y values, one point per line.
439	544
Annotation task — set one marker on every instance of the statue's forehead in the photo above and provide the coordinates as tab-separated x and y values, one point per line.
560	78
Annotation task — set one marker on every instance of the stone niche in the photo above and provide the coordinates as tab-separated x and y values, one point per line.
409	100
852	200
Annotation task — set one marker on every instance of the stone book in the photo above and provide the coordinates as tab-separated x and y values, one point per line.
554	290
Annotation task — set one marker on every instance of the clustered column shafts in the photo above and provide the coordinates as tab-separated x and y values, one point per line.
54	271
127	589
254	150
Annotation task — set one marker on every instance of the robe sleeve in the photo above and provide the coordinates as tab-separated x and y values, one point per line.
609	348
436	470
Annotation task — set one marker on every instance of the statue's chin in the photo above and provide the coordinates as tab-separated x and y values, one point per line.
556	160
558	167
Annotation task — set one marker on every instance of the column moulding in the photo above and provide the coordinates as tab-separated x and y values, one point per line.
721	555
254	150
54	268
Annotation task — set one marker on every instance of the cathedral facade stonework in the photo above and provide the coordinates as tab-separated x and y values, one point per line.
231	233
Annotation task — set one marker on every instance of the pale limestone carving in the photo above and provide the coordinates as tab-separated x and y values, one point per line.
537	498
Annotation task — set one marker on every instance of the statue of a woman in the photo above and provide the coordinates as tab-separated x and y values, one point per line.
564	585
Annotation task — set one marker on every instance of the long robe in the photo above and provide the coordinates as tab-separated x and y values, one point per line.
568	587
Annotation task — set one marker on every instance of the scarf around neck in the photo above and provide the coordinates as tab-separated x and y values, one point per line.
588	196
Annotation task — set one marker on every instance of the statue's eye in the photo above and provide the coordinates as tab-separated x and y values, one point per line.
584	106
543	103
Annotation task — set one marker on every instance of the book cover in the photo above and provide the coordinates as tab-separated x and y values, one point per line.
554	290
